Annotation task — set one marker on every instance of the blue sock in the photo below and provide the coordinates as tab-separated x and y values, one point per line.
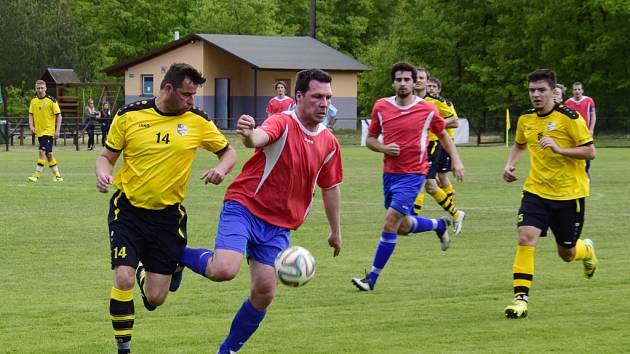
383	252
196	259
420	224
244	324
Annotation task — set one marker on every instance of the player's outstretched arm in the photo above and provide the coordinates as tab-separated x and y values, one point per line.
332	200
252	137
217	174
104	167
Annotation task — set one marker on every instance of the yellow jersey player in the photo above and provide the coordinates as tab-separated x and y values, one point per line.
147	222
44	119
439	159
558	142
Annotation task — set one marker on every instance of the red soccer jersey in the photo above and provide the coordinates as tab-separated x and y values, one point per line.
278	181
408	127
585	106
276	105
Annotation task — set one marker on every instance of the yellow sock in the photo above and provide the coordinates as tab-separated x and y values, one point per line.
523	271
53	166
445	202
417	205
122	314
582	251
448	190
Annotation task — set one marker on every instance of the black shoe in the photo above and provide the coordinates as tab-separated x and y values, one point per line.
140	279
176	279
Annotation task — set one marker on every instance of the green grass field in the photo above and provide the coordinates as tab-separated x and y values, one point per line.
56	279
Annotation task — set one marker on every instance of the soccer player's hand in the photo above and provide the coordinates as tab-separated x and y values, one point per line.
245	125
548	142
334	241
391	149
57	135
458	171
103	182
212	176
508	174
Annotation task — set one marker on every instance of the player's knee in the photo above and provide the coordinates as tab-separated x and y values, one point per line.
125	281
566	256
261	297
49	156
431	187
155	296
222	274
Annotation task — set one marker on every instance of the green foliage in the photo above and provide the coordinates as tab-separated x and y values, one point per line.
18	101
481	50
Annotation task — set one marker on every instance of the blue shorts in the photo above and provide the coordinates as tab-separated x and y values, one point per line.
241	231
400	190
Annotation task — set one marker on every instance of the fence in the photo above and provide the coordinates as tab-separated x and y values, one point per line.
610	131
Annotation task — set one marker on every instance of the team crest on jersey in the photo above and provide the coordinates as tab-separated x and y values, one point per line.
182	129
551	126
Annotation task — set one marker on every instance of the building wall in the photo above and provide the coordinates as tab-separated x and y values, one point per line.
215	63
191	53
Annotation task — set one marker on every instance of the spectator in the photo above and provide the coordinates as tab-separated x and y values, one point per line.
106	120
89	119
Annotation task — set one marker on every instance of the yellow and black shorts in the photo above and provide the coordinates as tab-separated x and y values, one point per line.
155	237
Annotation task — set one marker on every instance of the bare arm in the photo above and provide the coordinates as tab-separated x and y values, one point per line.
104	167
217	174
583	152
591	126
390	149
58	127
515	156
332	200
252	136
31	123
448	145
452	122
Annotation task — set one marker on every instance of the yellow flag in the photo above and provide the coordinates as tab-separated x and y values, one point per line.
507	119
507	127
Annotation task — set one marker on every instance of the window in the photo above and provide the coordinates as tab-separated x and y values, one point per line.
147	85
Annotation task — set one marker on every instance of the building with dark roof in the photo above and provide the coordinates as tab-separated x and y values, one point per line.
240	72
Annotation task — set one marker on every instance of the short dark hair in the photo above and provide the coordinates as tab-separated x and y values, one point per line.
304	78
578	83
280	82
402	66
436	81
178	72
419	68
544	75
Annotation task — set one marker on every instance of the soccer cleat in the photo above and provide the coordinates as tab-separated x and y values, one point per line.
364	284
176	279
33	178
590	265
458	222
518	309
140	274
445	239
57	179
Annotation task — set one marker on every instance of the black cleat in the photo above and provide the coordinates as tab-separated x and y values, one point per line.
140	279
176	279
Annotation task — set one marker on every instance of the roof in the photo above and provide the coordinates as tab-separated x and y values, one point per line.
61	76
261	52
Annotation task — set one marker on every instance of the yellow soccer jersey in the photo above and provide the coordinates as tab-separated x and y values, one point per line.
44	111
554	176
158	151
446	110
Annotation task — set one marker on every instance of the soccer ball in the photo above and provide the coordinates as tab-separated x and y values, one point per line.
295	266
